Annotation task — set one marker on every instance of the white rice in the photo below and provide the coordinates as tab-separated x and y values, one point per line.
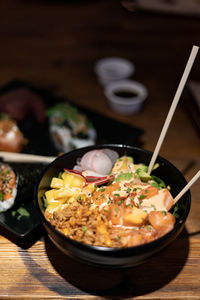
6	204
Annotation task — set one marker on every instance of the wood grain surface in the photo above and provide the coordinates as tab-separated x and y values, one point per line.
55	44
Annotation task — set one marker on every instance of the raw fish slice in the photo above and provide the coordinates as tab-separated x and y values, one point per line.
8	187
11	138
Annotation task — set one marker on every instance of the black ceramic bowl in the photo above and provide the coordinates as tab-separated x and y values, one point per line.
114	257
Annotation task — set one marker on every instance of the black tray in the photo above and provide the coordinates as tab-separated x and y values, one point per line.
108	131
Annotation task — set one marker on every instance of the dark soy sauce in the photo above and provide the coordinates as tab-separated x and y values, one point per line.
125	94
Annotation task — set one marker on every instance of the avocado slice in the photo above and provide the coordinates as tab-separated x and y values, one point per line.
143	175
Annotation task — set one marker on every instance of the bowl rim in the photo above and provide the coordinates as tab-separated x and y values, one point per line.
136	86
101	249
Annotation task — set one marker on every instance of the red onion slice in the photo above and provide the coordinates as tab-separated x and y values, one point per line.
99	180
91	177
73	171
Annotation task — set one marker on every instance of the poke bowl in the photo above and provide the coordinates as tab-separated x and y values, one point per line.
109	249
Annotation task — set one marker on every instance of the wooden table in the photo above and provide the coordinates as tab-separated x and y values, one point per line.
54	44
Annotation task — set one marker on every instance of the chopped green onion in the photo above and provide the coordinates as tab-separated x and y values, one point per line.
142	197
175	211
128	190
154	208
148	227
1	196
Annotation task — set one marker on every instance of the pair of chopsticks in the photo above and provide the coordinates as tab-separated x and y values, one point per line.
21	157
175	101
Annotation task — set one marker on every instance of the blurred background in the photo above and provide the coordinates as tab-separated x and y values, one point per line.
55	45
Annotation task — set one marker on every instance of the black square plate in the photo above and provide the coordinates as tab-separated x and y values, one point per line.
108	131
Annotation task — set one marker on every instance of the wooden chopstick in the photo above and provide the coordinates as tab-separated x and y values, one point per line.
22	157
187	187
175	101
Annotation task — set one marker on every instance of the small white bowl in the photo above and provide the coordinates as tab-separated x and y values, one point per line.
113	68
126	96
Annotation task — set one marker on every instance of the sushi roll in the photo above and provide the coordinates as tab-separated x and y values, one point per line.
70	129
11	138
8	187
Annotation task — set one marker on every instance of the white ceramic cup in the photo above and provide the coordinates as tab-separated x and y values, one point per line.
113	69
125	96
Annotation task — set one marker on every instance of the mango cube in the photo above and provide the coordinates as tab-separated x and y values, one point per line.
73	180
56	183
89	188
49	196
63	193
135	218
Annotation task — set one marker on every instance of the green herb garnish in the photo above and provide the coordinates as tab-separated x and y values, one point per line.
60	175
159	181
128	190
152	205
119	203
79	199
20	212
148	227
153	183
44	199
117	195
175	211
1	196
142	197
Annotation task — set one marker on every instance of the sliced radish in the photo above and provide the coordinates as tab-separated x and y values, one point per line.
89	173
97	161
113	155
86	160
